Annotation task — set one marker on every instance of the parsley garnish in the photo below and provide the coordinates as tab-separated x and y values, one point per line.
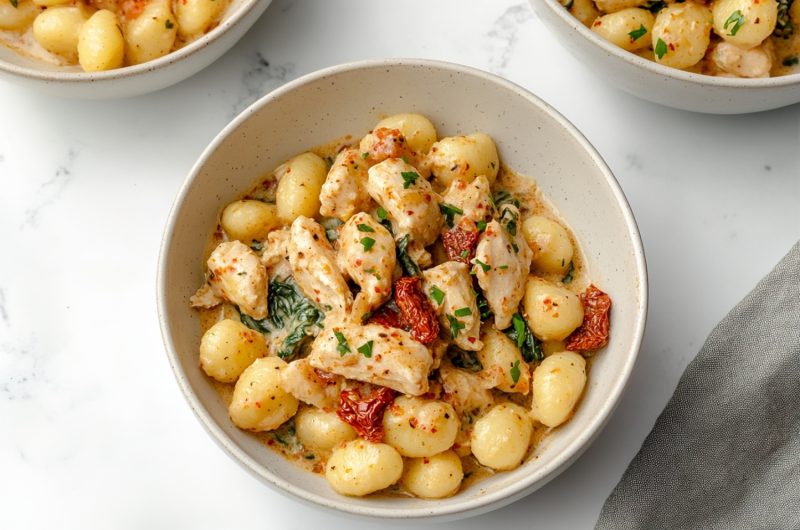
515	373
735	21
365	228
409	178
463	312
503	267
437	294
484	266
367	243
464	253
661	48
366	349
481	226
381	213
364	155
568	276
169	24
455	325
343	347
449	211
638	33
791	61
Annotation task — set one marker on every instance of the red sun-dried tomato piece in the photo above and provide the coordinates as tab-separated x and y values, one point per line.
415	309
365	413
593	333
460	242
387	317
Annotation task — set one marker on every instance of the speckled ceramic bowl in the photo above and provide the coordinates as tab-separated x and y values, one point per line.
661	84
532	138
147	77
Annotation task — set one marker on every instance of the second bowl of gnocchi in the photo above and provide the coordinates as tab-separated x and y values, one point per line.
376	292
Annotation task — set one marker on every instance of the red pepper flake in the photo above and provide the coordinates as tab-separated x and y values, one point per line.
365	413
460	242
415	309
593	333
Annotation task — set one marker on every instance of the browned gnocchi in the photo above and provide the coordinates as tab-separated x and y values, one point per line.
400	313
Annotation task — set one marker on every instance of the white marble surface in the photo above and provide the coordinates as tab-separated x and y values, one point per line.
95	433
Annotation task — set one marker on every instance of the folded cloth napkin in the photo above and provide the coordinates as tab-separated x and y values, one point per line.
725	452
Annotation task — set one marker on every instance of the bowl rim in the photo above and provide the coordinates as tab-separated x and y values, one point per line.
125	72
456	509
659	69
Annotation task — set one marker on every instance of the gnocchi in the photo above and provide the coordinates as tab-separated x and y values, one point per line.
394	322
98	36
730	38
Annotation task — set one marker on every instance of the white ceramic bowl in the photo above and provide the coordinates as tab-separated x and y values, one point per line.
532	139
72	82
661	84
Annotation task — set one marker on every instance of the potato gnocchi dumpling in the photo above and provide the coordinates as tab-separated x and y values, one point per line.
727	38
398	313
106	35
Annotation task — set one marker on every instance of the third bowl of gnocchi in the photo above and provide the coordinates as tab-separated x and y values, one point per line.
713	56
393	282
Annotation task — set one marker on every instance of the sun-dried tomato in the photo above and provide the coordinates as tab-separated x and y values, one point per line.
388	317
365	413
460	242
593	333
389	143
415	309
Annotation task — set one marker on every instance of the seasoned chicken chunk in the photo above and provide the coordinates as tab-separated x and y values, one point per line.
314	267
311	386
502	262
731	61
464	390
411	203
375	354
238	276
383	143
367	255
449	289
276	254
345	189
473	199
205	298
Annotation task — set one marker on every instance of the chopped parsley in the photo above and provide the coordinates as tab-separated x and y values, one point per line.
484	266
735	21
367	243
455	325
483	305
569	275
437	294
381	213
409	178
169	24
464	253
364	155
637	33
256	245
343	347
481	226
364	228
791	61
463	312
366	349
661	48
449	211
515	373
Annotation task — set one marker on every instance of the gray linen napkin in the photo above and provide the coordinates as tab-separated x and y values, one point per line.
725	452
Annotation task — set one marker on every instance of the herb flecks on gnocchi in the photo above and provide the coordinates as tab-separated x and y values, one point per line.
399	314
106	35
726	38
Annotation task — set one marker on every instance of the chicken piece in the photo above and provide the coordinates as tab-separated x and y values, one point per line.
238	276
736	62
310	386
375	354
474	199
314	267
463	389
502	263
205	298
449	290
367	255
382	144
276	254
411	203
344	192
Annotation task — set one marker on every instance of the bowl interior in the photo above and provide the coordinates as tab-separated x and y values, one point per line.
532	139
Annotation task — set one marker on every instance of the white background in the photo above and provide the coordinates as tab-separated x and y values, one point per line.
93	430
